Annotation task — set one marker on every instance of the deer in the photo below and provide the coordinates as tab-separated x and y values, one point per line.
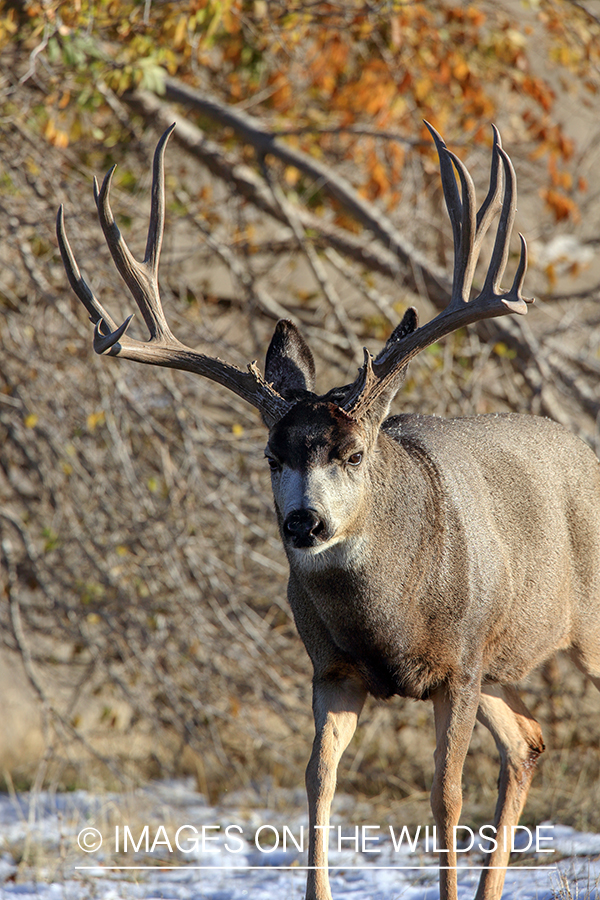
432	558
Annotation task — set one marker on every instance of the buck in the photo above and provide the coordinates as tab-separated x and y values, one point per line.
431	558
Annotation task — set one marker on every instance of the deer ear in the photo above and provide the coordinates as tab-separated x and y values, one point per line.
289	365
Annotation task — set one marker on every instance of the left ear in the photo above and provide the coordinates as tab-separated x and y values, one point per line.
289	365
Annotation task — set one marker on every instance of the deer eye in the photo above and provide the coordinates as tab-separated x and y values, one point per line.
273	463
355	459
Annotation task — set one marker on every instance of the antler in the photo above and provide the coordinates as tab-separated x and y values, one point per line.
162	349
469	228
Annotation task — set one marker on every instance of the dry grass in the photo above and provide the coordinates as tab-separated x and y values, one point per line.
571	888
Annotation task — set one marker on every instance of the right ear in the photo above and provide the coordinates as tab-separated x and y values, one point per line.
289	365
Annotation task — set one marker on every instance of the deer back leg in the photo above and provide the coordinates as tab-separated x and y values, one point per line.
519	741
336	706
586	656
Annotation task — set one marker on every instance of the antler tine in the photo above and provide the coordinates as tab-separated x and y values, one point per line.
505	226
469	228
140	278
163	349
449	186
492	202
517	285
98	315
156	226
465	259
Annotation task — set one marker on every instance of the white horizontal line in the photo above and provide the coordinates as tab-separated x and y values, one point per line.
158	867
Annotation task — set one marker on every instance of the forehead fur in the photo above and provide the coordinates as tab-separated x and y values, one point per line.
314	432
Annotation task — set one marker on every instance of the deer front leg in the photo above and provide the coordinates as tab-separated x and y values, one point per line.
336	707
455	710
519	740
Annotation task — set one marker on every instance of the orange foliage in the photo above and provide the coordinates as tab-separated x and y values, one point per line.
350	65
562	206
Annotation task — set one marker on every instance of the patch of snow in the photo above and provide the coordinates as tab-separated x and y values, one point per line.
193	851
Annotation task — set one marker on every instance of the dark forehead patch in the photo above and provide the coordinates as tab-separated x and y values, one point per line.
313	433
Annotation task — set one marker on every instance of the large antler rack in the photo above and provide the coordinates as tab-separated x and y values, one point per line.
469	229
163	348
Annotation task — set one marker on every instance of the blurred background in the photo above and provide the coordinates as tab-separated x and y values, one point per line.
145	631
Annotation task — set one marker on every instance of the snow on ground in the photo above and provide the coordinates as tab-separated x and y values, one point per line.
169	843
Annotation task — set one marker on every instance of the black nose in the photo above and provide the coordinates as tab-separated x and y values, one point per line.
304	527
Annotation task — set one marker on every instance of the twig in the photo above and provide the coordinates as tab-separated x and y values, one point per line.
581	6
49	31
356	131
318	269
376	297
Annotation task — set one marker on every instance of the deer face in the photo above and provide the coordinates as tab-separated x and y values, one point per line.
318	456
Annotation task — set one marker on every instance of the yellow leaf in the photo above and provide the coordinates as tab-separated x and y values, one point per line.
31	420
180	32
56	136
95	419
461	70
423	87
50	130
237	429
32	167
502	350
291	175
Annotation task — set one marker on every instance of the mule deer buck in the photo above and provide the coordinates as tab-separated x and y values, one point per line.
432	558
